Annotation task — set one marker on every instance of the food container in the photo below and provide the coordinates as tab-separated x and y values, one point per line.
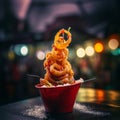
59	99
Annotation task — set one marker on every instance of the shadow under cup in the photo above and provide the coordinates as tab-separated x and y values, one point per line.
59	99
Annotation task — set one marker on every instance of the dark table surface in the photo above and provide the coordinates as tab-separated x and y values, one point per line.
90	104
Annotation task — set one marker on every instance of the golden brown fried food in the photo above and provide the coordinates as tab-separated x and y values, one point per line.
58	69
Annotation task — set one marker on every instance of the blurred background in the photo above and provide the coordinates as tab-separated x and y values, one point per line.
27	30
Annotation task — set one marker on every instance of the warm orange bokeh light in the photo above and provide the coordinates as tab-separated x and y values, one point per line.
113	44
113	41
98	47
100	94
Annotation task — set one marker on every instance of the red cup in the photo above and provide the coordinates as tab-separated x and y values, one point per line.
59	99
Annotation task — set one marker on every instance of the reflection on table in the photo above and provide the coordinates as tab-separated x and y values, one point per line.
108	97
90	103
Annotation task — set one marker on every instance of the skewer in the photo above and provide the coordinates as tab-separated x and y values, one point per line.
91	79
81	80
84	81
31	75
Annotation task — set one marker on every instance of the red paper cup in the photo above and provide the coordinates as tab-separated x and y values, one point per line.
59	99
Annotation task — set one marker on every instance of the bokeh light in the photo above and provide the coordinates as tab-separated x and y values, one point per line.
116	52
89	50
40	55
24	50
113	44
17	49
11	55
98	47
80	52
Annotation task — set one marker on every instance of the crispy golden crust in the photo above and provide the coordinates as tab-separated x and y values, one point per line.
58	69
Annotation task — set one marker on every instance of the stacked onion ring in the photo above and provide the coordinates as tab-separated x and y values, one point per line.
58	69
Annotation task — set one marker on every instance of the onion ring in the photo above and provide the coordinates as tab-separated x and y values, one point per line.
58	69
